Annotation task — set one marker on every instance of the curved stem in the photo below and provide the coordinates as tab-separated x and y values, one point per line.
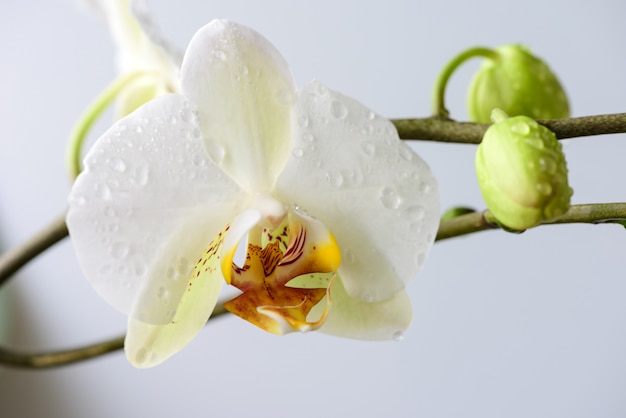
15	258
594	213
438	107
87	119
14	358
442	130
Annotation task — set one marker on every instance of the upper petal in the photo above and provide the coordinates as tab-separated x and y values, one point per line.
244	92
148	203
379	199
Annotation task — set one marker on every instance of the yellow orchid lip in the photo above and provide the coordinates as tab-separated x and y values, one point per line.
285	276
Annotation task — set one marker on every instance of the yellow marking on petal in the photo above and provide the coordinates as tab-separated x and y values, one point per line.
271	298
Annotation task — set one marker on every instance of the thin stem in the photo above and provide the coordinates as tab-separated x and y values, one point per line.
441	130
438	106
15	258
87	119
595	213
14	358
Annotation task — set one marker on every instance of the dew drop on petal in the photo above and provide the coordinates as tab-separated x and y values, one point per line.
535	142
78	200
102	191
140	174
141	356
218	53
116	164
308	137
338	109
303	121
348	256
415	212
398	336
120	250
368	148
186	114
297	152
371	115
389	198
368	298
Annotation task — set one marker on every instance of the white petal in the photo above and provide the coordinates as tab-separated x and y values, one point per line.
353	318
148	203
147	345
245	93
379	199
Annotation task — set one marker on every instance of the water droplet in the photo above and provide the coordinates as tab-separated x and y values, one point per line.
187	115
535	142
520	128
198	160
243	68
102	191
335	178
140	269
106	269
120	250
547	165
116	164
138	129
182	264
367	130
163	294
338	109
303	121
371	115
544	188
415	212
368	148
140	174
420	259
285	96
425	187
321	89
348	256
389	198
298	152
368	298
110	212
398	336
308	137
216	152
78	200
218	53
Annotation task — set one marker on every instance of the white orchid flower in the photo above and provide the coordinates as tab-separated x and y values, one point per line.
338	212
142	54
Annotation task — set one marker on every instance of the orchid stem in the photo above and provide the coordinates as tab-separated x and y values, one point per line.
447	130
87	119
594	213
18	359
14	259
438	106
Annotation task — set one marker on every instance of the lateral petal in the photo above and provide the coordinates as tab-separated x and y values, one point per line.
349	169
147	203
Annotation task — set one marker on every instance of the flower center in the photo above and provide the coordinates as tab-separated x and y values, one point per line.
288	270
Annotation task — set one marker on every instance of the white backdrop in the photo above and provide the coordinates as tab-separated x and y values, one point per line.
530	325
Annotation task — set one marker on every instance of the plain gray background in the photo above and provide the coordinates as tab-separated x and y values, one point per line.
530	325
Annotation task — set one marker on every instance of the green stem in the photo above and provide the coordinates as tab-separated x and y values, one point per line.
87	119
446	130
438	106
14	259
594	213
14	358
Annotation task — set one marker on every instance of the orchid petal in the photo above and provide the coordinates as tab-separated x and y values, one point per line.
357	319
147	204
244	93
147	345
380	200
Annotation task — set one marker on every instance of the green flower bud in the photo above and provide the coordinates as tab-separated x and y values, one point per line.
522	172
518	83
